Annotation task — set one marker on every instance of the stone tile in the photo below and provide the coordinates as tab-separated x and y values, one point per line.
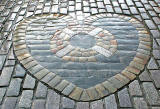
150	24
134	88
6	76
96	104
53	100
133	10
2	94
19	71
155	74
82	105
156	54
144	76
67	103
41	91
68	89
14	87
29	82
110	102
54	9
109	8
63	10
16	8
155	107
140	103
10	63
155	33
152	64
102	51
64	51
26	99
129	2
38	104
151	93
9	103
124	98
2	60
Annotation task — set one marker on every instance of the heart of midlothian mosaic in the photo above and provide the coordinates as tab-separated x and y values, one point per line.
84	60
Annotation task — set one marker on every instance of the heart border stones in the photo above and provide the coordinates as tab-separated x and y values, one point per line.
67	88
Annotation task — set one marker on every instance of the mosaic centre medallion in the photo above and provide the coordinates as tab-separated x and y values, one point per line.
83	61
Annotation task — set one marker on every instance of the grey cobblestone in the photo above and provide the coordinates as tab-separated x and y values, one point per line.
134	88
19	71
26	99
6	76
67	103
151	93
14	87
2	60
41	91
82	105
97	104
140	103
38	104
110	102
29	82
9	103
144	76
53	100
124	98
156	77
2	94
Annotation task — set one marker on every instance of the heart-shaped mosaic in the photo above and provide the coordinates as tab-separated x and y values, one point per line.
84	60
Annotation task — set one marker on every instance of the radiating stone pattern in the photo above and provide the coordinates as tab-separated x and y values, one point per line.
49	44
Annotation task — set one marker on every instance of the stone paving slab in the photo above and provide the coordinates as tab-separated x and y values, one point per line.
141	93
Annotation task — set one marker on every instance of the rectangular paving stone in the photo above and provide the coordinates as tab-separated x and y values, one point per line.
14	87
97	104
140	103
2	60
29	82
129	2
26	99
151	93
38	104
9	103
144	76
6	76
19	71
10	63
68	89
53	100
82	105
150	24
41	91
109	8
155	74
67	103
124	98
110	102
134	88
54	9
102	51
64	51
2	94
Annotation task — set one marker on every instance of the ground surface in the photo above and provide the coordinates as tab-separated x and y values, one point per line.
86	43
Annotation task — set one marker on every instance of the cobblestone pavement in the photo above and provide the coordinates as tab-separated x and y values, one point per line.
114	40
